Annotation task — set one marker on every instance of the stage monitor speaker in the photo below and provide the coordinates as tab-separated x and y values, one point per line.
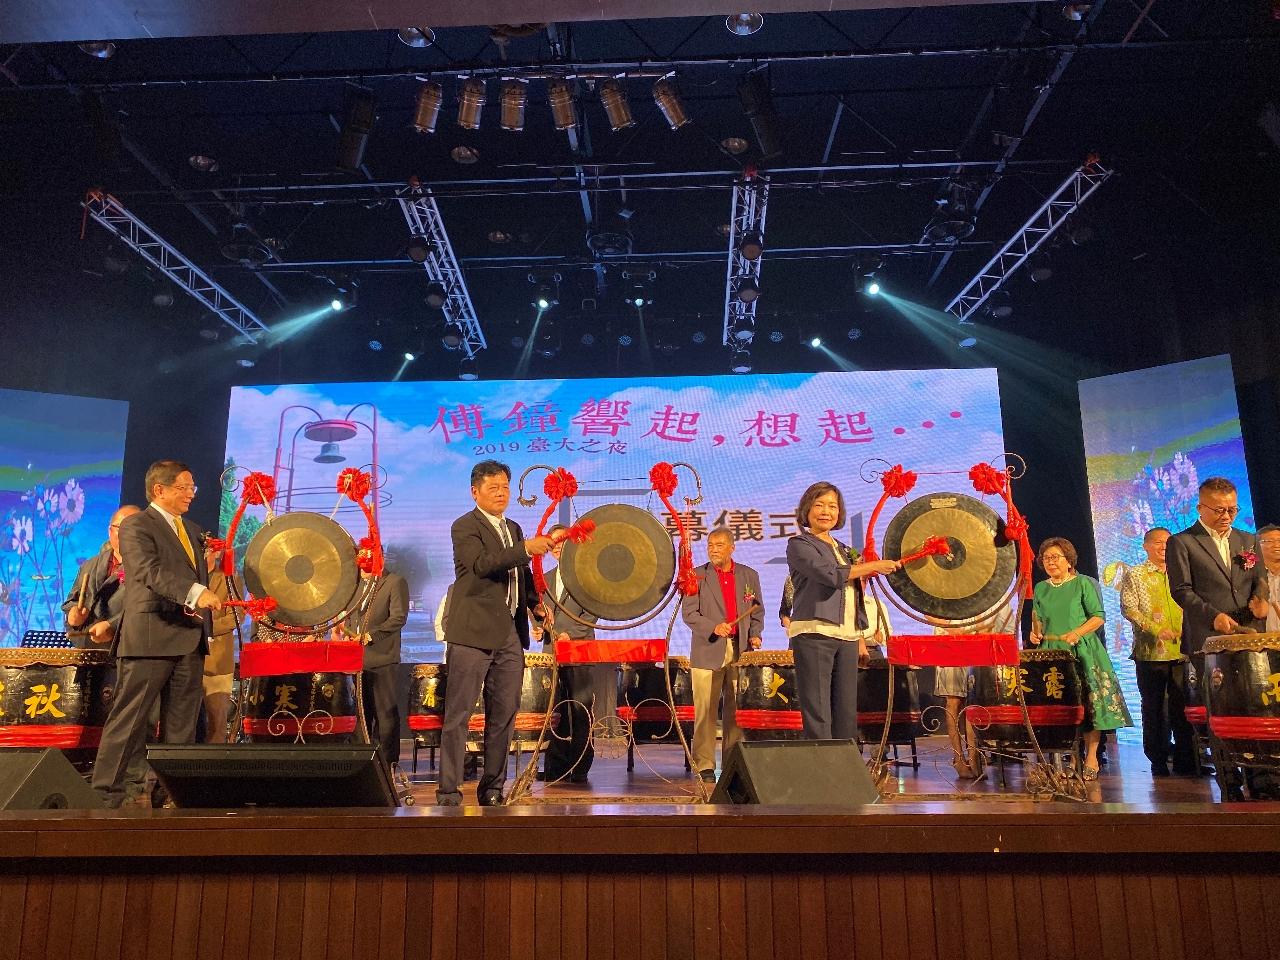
788	772
273	775
32	778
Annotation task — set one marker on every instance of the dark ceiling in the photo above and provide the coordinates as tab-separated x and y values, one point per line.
881	111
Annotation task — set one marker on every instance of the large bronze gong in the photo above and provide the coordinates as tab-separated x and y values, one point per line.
626	568
307	563
971	577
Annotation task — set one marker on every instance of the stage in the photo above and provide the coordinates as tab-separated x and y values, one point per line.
985	875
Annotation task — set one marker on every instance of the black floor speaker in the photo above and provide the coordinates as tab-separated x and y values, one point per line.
42	779
788	772
219	776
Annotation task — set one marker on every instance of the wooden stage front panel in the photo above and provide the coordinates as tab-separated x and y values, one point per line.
917	881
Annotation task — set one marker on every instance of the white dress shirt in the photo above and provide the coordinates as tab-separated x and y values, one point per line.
1222	543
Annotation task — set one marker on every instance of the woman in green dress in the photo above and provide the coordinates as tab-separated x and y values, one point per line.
1067	613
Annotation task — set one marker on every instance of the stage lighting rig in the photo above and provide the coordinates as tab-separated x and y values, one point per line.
613	97
436	296
747	215
743	24
757	106
441	266
416	37
560	99
514	94
426	108
741	361
667	96
360	109
471	104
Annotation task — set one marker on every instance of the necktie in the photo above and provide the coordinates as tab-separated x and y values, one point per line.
511	574
183	539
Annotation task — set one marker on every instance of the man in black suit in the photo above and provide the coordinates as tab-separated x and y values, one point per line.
489	611
164	632
383	610
1212	580
582	688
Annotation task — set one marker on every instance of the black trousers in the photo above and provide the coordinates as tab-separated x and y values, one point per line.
176	682
500	673
1163	713
382	710
827	684
570	751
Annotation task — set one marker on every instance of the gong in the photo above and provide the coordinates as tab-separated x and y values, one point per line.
307	564
971	577
625	569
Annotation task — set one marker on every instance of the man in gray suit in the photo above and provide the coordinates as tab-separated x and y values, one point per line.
164	632
97	596
1219	590
722	629
581	688
383	610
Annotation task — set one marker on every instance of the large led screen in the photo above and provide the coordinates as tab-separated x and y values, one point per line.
1150	437
756	441
60	465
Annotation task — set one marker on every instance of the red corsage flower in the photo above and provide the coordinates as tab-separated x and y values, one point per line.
1247	559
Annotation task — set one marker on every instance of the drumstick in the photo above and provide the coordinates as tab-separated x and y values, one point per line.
84	585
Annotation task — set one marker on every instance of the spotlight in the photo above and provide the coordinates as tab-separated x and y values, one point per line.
416	37
467	369
698	337
499	236
748	290
375	346
667	96
542	303
517	341
734	145
436	295
1041	273
471	104
409	357
624	340
751	246
741	362
1002	311
873	289
743	332
967	343
616	105
451	339
115	261
358	113
855	333
418	249
955	220
588	340
724	229
202	163
775	336
162	299
757	105
743	24
464	155
816	342
98	49
514	95
426	109
1076	11
335	304
560	97
245	362
545	298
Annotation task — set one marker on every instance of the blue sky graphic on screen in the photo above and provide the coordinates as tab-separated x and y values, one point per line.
60	465
1150	437
756	441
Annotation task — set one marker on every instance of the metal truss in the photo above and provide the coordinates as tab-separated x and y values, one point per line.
111	214
747	215
423	217
1074	191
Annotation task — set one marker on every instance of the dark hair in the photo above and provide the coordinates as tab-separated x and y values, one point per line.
1146	537
1269	528
1063	544
1217	485
488	468
555	527
813	493
165	473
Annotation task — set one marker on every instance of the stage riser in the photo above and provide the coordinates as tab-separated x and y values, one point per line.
646	908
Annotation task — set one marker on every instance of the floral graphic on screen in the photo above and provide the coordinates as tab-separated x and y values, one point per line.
37	565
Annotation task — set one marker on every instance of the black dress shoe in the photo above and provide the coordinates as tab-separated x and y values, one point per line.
491	800
707	776
1234	795
451	800
579	776
1159	770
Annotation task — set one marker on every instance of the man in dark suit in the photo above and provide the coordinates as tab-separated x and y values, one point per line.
582	688
726	592
97	596
489	611
164	632
1211	579
383	611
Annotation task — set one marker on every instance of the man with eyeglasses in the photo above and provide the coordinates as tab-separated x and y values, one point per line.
164	632
1215	577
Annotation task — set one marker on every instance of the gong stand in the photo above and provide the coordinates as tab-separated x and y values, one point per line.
624	570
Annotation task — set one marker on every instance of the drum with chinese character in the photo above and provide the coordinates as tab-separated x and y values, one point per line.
531	714
426	702
55	698
1051	689
906	722
643	703
313	707
1241	687
768	701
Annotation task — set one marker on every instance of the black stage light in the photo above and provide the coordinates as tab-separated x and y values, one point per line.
757	105
748	291
751	245
417	37
436	296
98	49
616	105
741	362
359	111
418	249
426	111
452	337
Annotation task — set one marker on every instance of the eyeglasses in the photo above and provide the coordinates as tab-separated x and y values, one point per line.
1220	511
1274	542
190	488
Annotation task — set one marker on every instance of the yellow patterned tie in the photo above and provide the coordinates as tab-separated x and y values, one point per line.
185	541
